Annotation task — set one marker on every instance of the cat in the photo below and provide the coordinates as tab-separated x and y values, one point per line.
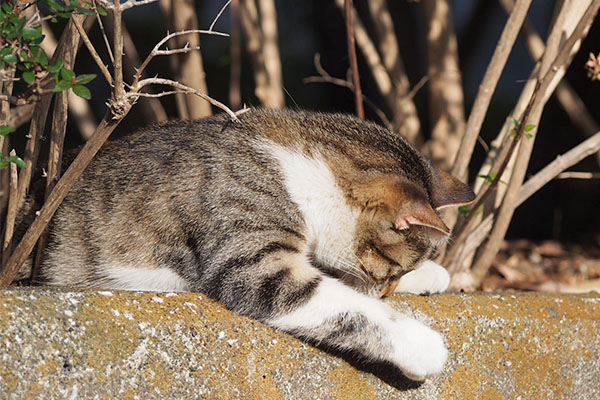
301	220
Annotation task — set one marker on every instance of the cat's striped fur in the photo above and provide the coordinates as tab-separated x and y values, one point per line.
298	219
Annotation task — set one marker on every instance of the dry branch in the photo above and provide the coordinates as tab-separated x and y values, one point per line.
552	68
11	212
360	111
487	87
446	103
392	84
267	75
561	163
187	66
268	21
235	51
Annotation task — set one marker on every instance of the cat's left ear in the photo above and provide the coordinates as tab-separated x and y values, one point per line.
449	191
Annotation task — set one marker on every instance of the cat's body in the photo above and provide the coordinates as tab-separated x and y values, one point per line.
297	219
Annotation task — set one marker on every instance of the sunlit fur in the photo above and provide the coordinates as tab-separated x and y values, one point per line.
297	219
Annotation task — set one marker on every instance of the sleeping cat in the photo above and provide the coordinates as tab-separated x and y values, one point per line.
298	219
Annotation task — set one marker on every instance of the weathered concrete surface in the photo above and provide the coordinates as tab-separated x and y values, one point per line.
57	344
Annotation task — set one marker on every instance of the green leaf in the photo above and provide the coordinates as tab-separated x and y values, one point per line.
53	20
17	160
55	5
31	33
56	67
101	11
64	15
85	11
62	85
464	210
43	58
4	130
85	78
7	8
82	91
67	74
528	135
28	76
5	51
20	24
528	127
10	58
515	121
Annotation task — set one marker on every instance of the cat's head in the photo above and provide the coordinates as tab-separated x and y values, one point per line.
399	226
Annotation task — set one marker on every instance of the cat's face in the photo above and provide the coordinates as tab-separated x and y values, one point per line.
398	226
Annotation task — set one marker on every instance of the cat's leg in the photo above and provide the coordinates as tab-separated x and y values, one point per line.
427	278
343	318
278	285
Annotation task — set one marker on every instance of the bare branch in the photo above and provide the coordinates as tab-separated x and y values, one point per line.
156	51
561	163
15	100
11	213
212	25
181	89
125	5
446	100
578	175
105	38
235	51
270	48
23	249
360	111
93	52
388	72
487	87
551	66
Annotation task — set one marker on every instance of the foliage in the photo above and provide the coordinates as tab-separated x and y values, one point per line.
22	53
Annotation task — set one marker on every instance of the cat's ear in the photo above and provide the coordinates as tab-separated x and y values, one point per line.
421	214
449	191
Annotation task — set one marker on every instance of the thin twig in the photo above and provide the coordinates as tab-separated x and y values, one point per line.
93	52
578	175
360	111
125	5
212	25
156	51
11	212
235	51
327	78
119	88
105	39
135	92
561	163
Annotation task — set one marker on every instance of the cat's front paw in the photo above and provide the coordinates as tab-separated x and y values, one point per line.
419	351
428	278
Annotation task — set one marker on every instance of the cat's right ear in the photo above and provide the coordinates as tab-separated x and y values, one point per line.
449	191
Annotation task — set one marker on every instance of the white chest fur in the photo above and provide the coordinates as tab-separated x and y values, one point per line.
330	221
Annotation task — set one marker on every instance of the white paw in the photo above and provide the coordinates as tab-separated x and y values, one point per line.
418	350
427	278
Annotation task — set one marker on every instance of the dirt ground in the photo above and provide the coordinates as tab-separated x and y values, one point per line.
548	266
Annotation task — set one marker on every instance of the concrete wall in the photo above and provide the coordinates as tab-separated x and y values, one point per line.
57	344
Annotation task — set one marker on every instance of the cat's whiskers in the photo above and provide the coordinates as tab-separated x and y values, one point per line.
340	261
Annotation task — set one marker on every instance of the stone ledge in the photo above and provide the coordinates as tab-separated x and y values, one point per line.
58	344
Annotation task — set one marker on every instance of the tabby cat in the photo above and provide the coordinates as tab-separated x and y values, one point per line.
298	219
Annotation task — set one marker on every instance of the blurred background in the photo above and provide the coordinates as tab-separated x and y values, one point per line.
565	210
